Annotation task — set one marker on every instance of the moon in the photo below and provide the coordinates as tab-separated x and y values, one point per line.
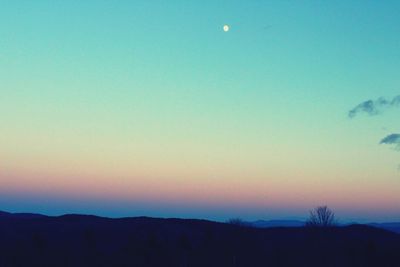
226	27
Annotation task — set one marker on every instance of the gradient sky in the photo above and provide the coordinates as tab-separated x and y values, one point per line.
126	108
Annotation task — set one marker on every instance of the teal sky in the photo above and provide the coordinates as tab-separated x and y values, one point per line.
151	104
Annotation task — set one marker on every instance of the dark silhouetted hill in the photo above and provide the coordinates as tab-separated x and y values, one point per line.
79	240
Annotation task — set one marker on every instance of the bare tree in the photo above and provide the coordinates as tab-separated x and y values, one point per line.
321	217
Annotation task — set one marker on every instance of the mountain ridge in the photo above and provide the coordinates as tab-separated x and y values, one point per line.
86	240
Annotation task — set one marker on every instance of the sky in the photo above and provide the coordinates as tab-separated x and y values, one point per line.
128	108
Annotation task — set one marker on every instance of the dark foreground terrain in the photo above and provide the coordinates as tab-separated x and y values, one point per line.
74	240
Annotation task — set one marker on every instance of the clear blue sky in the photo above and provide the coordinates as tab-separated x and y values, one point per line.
149	108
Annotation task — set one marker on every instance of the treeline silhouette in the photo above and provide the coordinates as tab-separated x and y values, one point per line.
77	240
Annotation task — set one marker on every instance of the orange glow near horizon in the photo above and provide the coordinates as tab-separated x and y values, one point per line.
240	194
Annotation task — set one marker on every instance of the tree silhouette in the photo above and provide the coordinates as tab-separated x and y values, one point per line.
321	216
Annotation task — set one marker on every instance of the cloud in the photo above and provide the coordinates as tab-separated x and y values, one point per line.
374	107
391	139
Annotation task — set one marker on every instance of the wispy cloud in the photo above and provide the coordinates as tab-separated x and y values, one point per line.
374	107
391	139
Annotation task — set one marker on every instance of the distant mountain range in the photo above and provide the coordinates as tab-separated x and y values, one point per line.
390	226
394	226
